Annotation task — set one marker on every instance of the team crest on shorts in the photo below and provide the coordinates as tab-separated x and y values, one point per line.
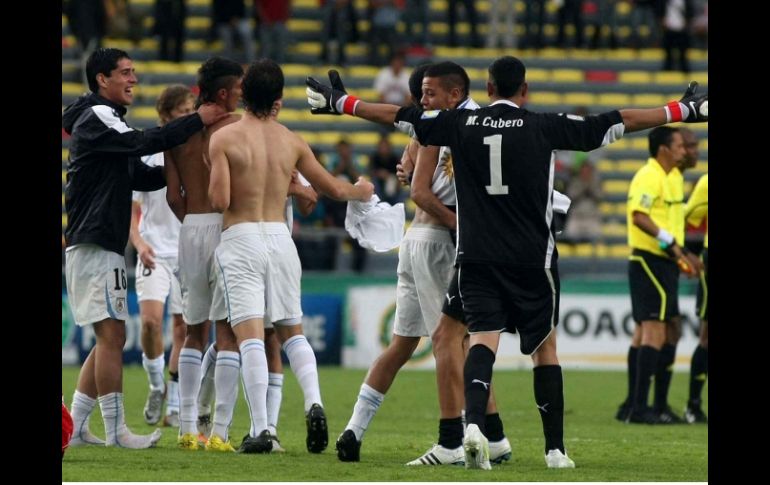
120	304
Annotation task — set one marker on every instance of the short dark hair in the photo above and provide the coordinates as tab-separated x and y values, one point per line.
102	61
216	73
451	74
507	75
262	86
661	135
415	82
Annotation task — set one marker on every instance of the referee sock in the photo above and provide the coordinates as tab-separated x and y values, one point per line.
549	397
646	365
633	357
699	369
663	376
450	432
478	378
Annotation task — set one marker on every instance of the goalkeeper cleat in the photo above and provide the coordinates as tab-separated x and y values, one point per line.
499	451
476	448
85	437
439	455
153	406
557	459
187	442
127	439
348	447
692	414
317	432
215	443
261	444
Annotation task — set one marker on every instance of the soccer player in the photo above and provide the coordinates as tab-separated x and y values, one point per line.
508	280
696	211
156	240
219	81
251	168
104	167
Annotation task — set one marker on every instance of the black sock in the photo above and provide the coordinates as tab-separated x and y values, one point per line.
646	365
450	432
549	397
633	356
494	427
663	376
699	369
174	376
478	377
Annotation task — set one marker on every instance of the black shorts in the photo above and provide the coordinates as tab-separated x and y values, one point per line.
654	284
702	300
453	305
506	299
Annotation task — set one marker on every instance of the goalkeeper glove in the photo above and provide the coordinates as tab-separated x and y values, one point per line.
330	100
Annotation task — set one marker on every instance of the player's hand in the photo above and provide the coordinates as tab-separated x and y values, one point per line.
403	174
366	187
696	104
695	263
210	113
325	99
146	255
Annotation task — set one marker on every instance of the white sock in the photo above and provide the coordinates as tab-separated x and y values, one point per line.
226	383
189	384
303	364
82	406
206	394
369	401
274	396
172	397
154	368
118	433
254	375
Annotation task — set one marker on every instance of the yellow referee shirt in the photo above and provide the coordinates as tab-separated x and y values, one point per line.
661	196
698	206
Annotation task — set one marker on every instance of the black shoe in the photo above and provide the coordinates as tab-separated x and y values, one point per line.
644	416
623	410
348	447
261	444
667	416
693	414
317	432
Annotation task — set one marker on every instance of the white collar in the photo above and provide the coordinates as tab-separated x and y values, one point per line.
505	101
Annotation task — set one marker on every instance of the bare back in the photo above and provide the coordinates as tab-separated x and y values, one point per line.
261	154
193	170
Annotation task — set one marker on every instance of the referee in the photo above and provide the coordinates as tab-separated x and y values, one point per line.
506	253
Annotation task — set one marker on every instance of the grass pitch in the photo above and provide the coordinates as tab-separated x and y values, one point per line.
405	427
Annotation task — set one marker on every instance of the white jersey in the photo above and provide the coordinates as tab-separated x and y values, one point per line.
443	184
290	208
159	226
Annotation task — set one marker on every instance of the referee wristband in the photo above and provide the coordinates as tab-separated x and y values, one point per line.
666	238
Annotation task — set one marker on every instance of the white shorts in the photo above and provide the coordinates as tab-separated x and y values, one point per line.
96	284
159	283
202	295
261	272
425	268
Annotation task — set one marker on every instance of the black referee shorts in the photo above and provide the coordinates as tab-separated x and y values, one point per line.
654	284
702	299
497	298
453	305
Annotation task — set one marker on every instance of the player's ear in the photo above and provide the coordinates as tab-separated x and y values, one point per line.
490	88
524	89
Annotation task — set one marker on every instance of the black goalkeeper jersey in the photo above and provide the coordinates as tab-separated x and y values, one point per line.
504	171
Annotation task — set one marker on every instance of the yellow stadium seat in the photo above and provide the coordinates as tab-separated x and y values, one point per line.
651	55
672	77
65	153
74	89
629	165
649	100
583	250
614	100
197	22
615	186
621	54
536	75
304	25
605	165
607	208
613	229
144	112
567	76
579	99
363	71
545	97
620	251
565	250
635	77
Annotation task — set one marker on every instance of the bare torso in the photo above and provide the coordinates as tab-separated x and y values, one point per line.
261	155
193	170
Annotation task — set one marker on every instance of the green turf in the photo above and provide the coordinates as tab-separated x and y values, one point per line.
405	427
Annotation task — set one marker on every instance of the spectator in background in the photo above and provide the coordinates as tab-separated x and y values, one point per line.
392	82
534	17
571	11
382	170
677	17
417	11
169	25
605	14
273	15
644	13
584	222
470	13
336	22
229	16
385	16
701	27
508	31
88	23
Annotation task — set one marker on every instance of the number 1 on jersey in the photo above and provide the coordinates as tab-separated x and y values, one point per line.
495	186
